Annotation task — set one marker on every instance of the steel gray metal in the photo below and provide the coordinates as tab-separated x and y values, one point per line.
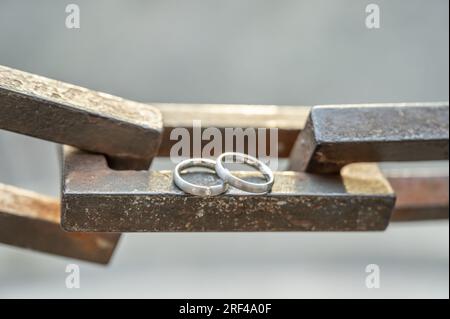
128	132
335	136
96	198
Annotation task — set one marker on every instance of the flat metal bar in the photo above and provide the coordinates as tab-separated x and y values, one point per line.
96	198
32	221
335	136
420	198
234	115
288	120
128	132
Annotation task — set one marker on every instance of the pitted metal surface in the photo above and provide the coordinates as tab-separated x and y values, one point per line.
338	135
96	198
128	132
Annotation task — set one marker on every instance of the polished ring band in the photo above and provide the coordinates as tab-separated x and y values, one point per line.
193	188
258	188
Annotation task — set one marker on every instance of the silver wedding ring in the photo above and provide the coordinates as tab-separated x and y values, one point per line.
228	177
194	189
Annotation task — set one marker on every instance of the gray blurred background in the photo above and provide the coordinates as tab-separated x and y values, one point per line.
236	51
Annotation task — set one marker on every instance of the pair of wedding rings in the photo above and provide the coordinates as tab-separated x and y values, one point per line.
226	177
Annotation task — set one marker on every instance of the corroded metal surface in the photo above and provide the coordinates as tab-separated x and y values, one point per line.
32	221
127	131
96	198
338	135
421	198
